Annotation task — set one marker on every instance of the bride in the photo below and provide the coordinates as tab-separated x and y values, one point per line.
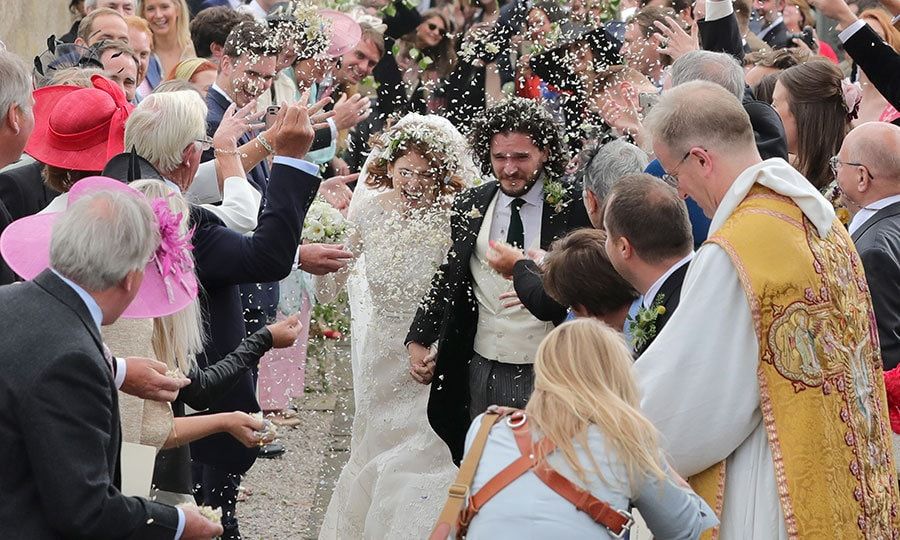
396	479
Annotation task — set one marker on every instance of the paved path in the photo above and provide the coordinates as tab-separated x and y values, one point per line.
291	493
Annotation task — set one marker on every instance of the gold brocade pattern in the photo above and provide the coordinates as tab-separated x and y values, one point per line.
821	389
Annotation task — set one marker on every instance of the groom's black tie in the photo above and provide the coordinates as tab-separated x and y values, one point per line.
515	236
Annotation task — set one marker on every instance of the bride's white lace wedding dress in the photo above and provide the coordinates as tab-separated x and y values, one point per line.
396	479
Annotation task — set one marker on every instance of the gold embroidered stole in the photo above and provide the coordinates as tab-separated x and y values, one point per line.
820	376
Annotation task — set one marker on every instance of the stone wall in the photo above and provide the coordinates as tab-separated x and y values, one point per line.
25	24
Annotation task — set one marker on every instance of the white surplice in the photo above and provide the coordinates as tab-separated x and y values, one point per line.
699	376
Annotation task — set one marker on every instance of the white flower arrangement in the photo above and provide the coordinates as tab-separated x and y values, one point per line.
324	223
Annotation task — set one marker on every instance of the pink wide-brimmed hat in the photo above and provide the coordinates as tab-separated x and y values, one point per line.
345	32
169	283
79	128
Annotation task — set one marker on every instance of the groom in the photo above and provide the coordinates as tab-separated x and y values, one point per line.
486	351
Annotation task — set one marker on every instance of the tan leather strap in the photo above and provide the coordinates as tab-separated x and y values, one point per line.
459	490
604	514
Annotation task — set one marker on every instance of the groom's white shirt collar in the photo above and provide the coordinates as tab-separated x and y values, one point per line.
651	292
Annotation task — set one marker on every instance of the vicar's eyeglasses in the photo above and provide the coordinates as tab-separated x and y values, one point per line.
672	177
836	163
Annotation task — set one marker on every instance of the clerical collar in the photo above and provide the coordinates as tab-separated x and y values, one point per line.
651	292
868	212
535	195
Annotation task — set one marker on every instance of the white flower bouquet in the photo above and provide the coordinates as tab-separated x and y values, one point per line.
324	223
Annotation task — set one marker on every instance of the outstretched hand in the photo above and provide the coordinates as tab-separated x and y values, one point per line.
835	9
673	41
234	124
336	192
148	379
285	332
502	257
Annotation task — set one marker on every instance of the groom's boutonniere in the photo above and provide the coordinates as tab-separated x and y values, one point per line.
556	194
643	325
474	213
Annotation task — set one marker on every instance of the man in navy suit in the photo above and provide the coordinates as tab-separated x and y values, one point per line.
868	173
649	243
246	71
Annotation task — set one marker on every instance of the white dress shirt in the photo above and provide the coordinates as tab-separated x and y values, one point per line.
530	212
253	8
865	213
651	292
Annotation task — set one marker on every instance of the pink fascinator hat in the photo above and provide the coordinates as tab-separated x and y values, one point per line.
169	283
345	32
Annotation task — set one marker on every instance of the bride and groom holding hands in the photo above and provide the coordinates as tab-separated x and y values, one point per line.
424	242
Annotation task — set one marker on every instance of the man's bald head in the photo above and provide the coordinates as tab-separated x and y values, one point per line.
877	146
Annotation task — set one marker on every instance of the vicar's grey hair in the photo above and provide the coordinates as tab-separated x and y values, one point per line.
719	68
102	237
606	164
16	86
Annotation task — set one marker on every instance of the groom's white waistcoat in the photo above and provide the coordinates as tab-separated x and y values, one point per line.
508	335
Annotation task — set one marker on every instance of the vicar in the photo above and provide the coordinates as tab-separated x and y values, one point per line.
487	350
770	364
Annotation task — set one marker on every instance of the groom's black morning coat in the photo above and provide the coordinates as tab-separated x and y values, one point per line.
449	312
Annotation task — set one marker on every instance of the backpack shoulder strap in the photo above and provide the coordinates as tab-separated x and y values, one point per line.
459	489
617	522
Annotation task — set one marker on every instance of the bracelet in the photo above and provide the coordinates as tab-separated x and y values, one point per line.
222	151
265	144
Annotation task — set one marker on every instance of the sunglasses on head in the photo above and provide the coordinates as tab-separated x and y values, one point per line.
433	27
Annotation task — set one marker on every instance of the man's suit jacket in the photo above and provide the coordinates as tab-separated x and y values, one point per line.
878	244
225	259
671	296
777	37
23	191
722	35
59	424
7	276
880	62
450	312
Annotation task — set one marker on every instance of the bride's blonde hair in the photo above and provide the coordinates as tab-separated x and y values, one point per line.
583	376
177	338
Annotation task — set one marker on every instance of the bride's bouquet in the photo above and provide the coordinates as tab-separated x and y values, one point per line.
324	223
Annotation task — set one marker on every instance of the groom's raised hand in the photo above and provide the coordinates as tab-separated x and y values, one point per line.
421	362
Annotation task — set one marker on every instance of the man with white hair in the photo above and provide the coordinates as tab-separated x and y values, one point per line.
766	383
226	259
59	414
867	169
16	124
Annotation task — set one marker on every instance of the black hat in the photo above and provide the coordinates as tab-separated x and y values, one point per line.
59	56
128	167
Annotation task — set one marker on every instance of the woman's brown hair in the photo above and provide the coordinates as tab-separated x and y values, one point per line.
444	53
577	272
62	180
446	182
816	100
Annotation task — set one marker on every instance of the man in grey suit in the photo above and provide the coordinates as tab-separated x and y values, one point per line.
867	169
59	419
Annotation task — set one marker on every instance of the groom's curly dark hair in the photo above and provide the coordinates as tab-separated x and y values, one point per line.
519	115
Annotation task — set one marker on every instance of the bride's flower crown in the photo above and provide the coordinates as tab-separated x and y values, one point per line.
398	138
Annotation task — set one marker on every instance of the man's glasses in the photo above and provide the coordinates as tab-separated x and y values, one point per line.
435	28
672	178
836	163
204	143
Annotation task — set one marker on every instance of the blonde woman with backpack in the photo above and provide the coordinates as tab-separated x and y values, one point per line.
580	456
